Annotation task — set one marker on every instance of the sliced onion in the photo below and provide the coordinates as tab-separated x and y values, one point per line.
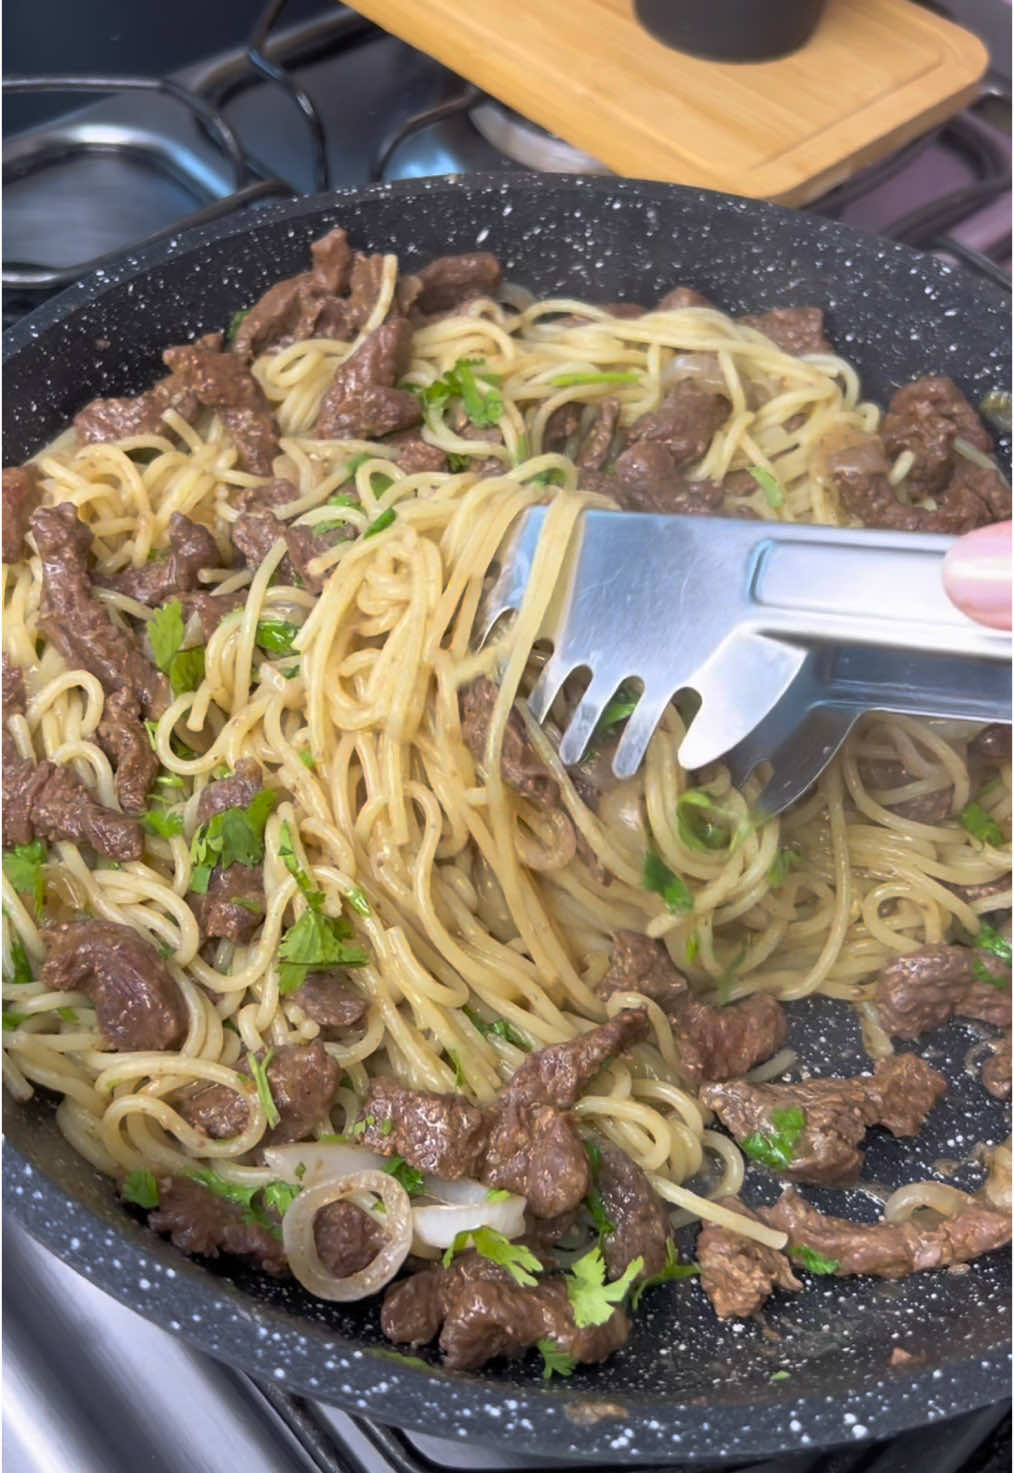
948	1201
465	1206
876	1039
973	453
997	1187
320	1162
301	1249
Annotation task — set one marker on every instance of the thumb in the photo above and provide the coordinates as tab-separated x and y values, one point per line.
977	575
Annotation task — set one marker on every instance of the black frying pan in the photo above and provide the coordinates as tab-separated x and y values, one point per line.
686	1387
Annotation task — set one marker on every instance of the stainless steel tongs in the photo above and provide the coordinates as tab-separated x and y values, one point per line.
787	634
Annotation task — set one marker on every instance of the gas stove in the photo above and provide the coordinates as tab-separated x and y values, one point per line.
316	97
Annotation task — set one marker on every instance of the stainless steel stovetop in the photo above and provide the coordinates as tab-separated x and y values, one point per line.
90	1387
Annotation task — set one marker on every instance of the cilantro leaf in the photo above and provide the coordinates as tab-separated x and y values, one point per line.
357	901
12	1020
483	408
230	1191
597	1211
692	947
382	522
784	862
410	1179
991	940
186	669
141	1188
779	1376
673	1268
555	1362
165	634
981	825
519	1261
497	1194
315	941
308	759
279	1196
500	1029
773	493
23	867
574	380
591	1298
814	1262
775	1147
659	878
234	324
276	636
21	967
234	836
459	1072
701	822
165	822
259	1073
457	463
619	708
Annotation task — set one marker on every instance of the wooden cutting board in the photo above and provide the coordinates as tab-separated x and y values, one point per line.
875	74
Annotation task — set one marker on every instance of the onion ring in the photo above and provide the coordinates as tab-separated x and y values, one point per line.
301	1248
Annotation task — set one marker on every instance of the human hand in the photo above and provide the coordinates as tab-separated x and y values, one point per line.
977	575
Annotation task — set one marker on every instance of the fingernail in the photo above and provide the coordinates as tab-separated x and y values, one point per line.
977	575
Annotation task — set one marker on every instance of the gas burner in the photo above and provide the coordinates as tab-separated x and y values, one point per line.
525	143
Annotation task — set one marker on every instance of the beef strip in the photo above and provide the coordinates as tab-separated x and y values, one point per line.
684	422
647	479
77	623
561	425
680	297
795	330
996	1070
992	745
414	454
50	802
637	1213
526	1142
105	420
200	1221
737	1273
377	364
926	417
485	1314
923	989
223	382
888	774
303	306
136	1000
346	1238
255	435
595	446
238	790
451	281
972	498
997	890
837	1113
303	1079
890	1250
211	608
191	549
273	497
520	766
331	1000
714	1043
20	498
123	736
254	535
233	907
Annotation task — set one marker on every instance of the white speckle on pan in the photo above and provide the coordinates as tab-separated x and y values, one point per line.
279	1373
860	1431
144	1284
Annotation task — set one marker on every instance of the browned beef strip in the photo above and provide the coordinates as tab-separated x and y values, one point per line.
559	1074
254	535
136	1000
738	1274
972	498
714	1043
370	414
997	890
926	417
924	989
346	1238
680	297
414	454
886	773
14	702
485	1314
684	422
441	1133
838	1113
595	446
236	791
535	1151
303	1079
191	549
220	380
795	330
889	1250
50	802
75	621
211	608
381	358
303	306
636	1211
123	737
331	1000
20	498
992	745
255	435
332	262
200	1221
233	907
560	426
104	420
520	766
451	281
272	497
647	479
996	1070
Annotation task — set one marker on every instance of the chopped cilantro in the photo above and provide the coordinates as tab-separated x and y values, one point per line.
981	825
402	1360
779	1376
308	759
702	823
239	1196
982	973
497	1194
457	463
659	878
23	866
500	1029
387	1126
991	940
519	1261
276	636
784	862
410	1179
382	522
187	670
555	1362
775	1147
165	822
141	1188
459	1073
773	493
166	632
12	1020
619	708
692	947
21	967
315	941
259	1072
280	1195
594	1159
357	901
814	1262
483	408
673	1268
574	380
597	1211
68	1015
591	1298
234	324
235	836
350	469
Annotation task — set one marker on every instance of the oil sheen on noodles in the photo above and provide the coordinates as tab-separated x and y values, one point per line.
472	893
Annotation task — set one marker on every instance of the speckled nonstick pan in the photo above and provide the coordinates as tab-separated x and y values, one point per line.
686	1387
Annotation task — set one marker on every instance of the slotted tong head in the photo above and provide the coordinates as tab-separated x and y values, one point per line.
787	634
